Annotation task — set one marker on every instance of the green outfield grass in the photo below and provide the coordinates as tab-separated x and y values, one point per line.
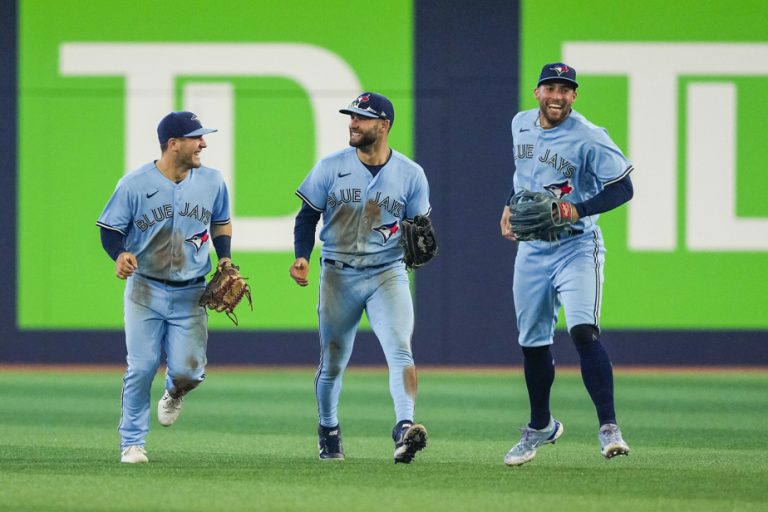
246	441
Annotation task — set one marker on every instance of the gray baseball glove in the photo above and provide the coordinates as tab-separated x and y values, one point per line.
536	216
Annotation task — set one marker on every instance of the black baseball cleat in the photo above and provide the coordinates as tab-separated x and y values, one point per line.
329	443
409	438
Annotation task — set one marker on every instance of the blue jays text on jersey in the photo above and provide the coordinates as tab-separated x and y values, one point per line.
575	159
354	195
362	212
165	211
166	225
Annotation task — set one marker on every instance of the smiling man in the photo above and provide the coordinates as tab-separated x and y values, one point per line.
157	227
558	152
364	193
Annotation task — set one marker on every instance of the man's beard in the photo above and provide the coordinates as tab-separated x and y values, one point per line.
366	139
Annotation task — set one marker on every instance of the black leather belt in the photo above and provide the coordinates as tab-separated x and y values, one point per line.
341	264
176	284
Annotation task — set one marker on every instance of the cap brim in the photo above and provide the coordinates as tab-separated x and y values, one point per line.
200	131
360	112
559	79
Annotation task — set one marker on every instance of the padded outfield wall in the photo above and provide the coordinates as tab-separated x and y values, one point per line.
82	86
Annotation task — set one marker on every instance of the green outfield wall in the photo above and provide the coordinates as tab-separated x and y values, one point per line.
678	86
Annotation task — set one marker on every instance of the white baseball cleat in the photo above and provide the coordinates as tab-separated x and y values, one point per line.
530	440
134	455
168	409
611	442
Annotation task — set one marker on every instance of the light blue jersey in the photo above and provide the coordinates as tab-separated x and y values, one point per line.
167	225
574	160
362	212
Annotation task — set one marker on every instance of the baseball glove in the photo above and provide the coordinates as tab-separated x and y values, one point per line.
537	216
418	241
225	290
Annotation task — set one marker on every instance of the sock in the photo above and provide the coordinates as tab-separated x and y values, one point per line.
596	371
539	369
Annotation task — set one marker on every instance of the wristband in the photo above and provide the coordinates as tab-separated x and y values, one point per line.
222	244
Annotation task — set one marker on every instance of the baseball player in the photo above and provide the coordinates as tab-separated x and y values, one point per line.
363	194
158	226
556	150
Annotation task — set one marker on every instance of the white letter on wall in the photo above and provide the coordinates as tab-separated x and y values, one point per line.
151	70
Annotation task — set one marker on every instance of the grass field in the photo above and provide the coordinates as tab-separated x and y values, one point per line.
246	441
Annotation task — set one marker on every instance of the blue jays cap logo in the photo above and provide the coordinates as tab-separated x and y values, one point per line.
373	105
560	70
363	102
387	230
198	239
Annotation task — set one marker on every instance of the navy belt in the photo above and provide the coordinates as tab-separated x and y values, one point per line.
176	284
567	234
341	264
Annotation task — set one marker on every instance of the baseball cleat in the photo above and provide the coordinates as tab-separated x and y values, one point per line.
134	455
329	443
530	440
169	409
611	442
409	438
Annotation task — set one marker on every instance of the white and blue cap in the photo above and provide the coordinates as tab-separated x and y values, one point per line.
373	105
558	72
180	124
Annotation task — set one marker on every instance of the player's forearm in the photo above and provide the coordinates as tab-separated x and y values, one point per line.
221	237
113	242
509	196
304	231
610	197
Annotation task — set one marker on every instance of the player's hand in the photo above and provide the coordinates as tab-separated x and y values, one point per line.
223	261
506	227
299	271
125	265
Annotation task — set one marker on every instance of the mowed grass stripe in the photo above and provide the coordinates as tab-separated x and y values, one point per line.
246	441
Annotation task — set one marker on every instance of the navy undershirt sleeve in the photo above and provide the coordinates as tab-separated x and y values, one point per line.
304	231
509	197
113	242
609	198
223	246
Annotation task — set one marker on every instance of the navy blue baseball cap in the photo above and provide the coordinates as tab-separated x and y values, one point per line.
180	124
558	72
373	105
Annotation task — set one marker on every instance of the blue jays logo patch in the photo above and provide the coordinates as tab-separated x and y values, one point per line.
560	70
198	239
387	230
559	190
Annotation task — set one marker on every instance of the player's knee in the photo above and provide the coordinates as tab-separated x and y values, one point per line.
183	385
535	353
584	334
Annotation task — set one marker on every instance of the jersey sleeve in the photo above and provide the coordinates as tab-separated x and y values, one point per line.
418	200
118	213
220	214
607	161
314	189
